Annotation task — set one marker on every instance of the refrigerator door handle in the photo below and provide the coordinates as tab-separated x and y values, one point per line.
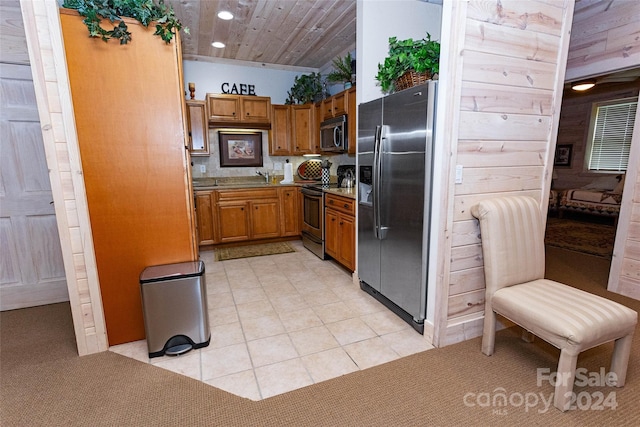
376	182
380	230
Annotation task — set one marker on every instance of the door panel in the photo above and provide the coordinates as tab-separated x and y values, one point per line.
32	270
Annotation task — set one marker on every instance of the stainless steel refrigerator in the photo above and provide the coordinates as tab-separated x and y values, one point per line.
395	136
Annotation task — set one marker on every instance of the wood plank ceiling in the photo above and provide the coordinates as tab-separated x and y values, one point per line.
297	33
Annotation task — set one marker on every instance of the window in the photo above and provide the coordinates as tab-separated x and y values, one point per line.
610	134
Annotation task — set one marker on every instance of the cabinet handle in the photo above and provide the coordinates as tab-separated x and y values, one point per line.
241	209
341	222
233	114
346	206
333	219
247	114
330	202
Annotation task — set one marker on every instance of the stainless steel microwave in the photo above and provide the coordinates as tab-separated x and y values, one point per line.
333	135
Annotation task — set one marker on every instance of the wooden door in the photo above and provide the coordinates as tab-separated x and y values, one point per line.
347	237
280	131
265	219
224	108
204	214
129	107
198	128
234	221
256	109
303	129
331	233
31	266
290	211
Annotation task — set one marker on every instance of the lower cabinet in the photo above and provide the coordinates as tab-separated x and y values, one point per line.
340	230
205	204
237	215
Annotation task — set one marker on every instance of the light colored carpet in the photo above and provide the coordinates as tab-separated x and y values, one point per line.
223	254
44	383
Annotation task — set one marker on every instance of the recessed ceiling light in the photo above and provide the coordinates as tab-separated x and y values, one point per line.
219	45
225	15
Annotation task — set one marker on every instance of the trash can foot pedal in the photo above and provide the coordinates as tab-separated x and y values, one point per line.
178	349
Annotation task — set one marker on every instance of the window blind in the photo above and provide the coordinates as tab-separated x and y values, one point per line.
612	132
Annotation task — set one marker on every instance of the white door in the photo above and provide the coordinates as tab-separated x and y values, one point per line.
31	267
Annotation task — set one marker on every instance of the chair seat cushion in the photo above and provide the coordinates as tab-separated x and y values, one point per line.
566	317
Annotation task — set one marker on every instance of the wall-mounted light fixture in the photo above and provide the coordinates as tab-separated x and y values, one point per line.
583	85
219	45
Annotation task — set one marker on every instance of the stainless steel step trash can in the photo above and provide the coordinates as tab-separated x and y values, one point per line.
174	302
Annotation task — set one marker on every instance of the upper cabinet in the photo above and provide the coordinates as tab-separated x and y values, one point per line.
336	105
239	109
197	128
294	130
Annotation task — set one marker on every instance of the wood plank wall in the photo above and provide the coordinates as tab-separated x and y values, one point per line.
44	40
511	68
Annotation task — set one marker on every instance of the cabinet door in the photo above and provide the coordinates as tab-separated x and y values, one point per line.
289	211
347	238
256	109
340	103
265	219
280	131
233	221
204	215
331	233
224	108
303	129
326	108
198	128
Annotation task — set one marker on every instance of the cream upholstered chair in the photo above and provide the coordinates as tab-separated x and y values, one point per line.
512	231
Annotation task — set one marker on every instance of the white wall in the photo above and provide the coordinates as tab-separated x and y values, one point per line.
377	20
209	77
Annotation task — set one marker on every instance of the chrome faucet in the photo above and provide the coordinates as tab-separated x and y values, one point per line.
265	175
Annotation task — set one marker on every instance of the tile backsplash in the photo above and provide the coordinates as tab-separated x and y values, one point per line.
269	163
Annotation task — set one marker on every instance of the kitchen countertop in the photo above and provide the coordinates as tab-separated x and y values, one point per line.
344	192
204	184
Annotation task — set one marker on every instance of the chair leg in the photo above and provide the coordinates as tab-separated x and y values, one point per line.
527	336
564	382
620	358
489	331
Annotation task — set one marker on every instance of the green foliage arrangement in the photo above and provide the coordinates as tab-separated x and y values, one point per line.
145	11
420	55
307	88
342	70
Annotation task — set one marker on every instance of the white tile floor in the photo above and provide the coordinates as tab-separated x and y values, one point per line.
282	322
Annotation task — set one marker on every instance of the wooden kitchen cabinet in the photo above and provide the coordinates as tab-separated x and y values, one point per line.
248	214
239	109
335	105
205	205
198	128
293	130
303	132
290	211
340	230
233	221
280	133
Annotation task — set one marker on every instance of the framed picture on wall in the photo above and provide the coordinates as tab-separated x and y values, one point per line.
563	155
240	149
